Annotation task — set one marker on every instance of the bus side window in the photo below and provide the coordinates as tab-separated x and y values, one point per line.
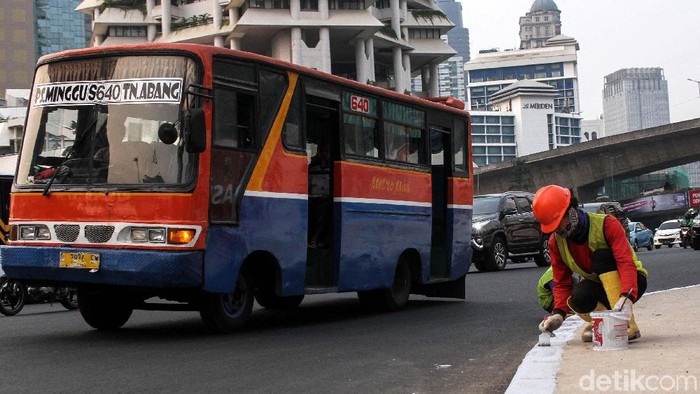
292	133
234	125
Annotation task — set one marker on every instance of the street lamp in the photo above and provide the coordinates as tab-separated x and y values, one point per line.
698	82
612	174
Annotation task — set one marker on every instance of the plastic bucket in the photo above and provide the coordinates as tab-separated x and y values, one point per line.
609	330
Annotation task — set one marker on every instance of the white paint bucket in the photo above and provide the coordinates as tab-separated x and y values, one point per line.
609	330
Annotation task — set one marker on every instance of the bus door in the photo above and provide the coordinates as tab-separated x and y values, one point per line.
322	130
440	166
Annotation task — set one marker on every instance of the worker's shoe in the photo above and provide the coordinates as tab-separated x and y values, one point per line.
587	334
611	285
632	329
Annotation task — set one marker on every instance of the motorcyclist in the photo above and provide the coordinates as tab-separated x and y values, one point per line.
594	246
686	227
688	218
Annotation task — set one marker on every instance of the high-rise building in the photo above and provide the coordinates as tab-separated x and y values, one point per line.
458	36
525	101
540	24
59	27
32	28
451	72
17	48
635	99
384	42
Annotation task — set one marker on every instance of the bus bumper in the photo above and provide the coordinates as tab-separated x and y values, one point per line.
120	267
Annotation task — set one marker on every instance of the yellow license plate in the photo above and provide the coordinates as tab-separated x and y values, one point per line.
79	260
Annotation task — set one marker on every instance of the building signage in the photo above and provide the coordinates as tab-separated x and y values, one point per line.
694	198
661	202
538	106
114	91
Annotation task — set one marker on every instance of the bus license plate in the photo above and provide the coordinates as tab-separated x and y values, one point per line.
79	260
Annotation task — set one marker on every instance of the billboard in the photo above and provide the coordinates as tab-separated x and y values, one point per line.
662	202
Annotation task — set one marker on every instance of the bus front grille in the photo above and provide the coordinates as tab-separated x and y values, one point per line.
67	232
98	234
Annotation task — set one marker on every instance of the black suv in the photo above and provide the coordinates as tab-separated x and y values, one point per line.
503	226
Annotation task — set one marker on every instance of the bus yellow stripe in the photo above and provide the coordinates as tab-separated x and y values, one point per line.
273	138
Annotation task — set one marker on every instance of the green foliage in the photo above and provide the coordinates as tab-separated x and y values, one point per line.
389	32
429	15
124	5
195	20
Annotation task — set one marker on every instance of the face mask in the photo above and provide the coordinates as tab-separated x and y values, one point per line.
571	226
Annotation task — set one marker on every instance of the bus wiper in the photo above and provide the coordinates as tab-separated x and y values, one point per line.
58	169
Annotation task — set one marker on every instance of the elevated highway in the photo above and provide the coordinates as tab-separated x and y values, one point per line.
585	166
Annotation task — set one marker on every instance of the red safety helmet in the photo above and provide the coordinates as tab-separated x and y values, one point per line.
550	205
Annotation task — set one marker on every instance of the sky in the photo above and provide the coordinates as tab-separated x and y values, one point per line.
612	34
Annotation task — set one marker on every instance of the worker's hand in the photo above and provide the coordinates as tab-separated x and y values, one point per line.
623	305
551	322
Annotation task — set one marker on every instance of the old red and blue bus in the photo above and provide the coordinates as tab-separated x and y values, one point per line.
184	176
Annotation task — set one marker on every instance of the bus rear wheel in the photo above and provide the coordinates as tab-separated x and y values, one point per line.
393	298
104	310
229	312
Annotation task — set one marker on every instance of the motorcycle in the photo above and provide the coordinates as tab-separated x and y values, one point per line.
14	295
686	237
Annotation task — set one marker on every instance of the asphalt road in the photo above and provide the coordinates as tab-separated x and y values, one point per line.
327	345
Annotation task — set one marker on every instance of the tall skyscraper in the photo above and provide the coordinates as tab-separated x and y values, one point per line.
17	49
451	72
60	27
540	24
458	37
32	28
635	99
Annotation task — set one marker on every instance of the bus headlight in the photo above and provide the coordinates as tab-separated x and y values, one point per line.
142	234
32	232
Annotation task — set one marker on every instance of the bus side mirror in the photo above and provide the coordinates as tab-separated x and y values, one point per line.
196	132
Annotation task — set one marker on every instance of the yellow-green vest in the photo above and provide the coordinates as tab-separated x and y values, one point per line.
596	241
544	294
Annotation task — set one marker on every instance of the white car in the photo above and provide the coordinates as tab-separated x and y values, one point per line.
668	233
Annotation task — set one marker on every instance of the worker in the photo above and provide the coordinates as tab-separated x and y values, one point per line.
595	247
544	290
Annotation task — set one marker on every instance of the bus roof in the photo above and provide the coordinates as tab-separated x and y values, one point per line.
209	50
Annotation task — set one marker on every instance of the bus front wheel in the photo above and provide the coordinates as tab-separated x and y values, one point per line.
229	312
393	298
104	310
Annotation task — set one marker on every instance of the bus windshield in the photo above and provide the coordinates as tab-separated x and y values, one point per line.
95	123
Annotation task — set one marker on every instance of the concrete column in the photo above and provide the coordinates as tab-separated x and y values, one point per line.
398	69
396	17
361	66
425	78
325	43
434	90
216	13
369	48
219	41
235	43
99	38
294	8
165	22
407	72
233	16
323	9
296	45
